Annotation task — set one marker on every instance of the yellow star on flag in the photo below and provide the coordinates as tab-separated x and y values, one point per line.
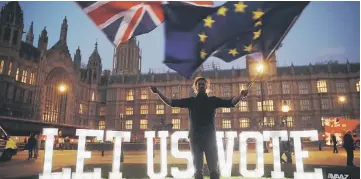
203	54
248	48
202	37
257	14
208	21
233	52
240	7
259	23
256	34
222	11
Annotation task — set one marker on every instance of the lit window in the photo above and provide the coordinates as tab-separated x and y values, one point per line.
32	78
289	121
1	66
358	86
340	87
226	91
243	106
176	123
130	95
175	110
305	105
25	73
321	86
267	105
226	124
268	122
81	109
143	124
303	87
144	94
143	109
286	88
10	68
244	122
93	96
160	109
128	124
101	125
226	110
242	86
101	111
129	111
18	75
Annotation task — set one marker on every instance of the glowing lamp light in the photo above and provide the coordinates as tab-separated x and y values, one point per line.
285	107
260	68
62	88
342	99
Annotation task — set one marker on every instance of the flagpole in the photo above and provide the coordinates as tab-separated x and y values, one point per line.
283	36
274	49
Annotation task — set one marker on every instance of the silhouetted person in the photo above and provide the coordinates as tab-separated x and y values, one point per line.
31	145
348	144
334	142
202	130
285	148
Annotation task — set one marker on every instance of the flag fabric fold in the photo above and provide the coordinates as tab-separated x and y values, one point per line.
122	20
230	31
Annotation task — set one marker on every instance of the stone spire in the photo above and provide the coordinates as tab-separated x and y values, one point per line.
64	31
43	40
30	35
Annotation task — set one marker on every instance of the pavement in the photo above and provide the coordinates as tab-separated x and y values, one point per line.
134	165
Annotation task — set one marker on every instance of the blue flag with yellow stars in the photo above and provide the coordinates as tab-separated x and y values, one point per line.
230	31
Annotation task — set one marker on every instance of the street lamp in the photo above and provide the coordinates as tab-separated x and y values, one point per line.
285	107
342	100
260	68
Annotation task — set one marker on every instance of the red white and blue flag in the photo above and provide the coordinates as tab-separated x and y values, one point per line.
122	20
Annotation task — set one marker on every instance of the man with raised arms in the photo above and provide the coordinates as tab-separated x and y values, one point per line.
202	130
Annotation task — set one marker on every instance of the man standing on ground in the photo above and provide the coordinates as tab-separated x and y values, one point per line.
202	130
334	142
349	146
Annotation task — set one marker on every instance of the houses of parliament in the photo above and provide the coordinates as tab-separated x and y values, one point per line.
44	84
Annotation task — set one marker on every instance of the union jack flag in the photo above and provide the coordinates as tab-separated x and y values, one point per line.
122	20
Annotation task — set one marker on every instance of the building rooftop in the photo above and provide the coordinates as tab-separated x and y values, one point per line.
226	73
28	51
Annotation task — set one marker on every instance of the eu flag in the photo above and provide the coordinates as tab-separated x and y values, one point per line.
229	32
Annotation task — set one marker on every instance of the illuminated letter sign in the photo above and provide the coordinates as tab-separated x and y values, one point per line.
276	135
163	154
82	154
259	171
299	154
175	172
225	160
117	150
48	157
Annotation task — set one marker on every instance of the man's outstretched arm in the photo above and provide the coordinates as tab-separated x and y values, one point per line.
161	95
